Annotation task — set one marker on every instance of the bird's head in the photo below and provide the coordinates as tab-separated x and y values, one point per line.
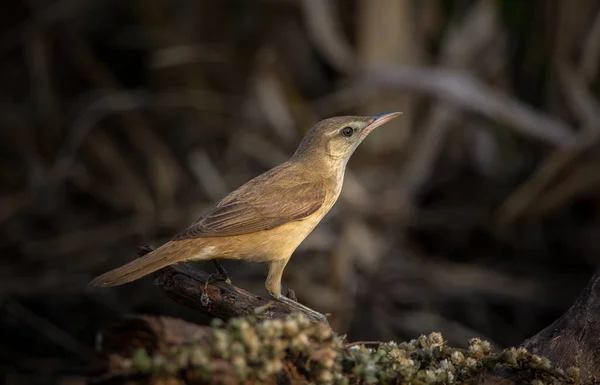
337	138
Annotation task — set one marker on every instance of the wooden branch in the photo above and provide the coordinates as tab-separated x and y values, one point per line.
571	340
188	286
574	338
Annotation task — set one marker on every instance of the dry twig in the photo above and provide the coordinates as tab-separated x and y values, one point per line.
190	287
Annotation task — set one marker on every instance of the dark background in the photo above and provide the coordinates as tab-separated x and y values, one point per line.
474	214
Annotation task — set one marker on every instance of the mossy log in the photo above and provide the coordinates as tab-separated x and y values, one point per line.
263	346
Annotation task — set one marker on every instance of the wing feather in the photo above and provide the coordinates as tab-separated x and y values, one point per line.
260	205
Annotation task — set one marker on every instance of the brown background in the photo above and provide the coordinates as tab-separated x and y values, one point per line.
475	214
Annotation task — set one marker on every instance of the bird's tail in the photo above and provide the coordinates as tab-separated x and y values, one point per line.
168	254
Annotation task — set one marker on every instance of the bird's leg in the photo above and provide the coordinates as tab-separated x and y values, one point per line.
221	275
273	285
221	272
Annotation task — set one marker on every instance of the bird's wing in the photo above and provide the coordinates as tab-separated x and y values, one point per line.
259	205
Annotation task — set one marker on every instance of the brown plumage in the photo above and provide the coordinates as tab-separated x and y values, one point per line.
268	217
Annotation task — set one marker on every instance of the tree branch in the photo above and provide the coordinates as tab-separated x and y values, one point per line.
188	286
571	340
574	338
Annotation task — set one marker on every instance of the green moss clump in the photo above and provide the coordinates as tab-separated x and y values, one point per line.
257	351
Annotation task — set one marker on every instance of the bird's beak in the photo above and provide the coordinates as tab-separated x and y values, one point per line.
378	120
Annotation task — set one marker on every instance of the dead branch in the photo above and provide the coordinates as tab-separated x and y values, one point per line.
574	338
586	107
461	89
323	28
190	287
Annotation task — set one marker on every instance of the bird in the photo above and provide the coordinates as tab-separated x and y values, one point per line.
267	218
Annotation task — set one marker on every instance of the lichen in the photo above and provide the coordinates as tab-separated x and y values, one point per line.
257	351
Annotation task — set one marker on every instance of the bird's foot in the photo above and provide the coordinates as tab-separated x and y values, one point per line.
298	306
216	277
213	278
221	273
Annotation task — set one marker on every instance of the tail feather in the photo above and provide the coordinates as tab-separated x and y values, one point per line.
166	255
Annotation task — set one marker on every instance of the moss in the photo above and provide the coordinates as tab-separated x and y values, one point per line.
256	351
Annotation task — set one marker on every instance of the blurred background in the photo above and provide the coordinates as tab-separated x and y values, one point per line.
474	214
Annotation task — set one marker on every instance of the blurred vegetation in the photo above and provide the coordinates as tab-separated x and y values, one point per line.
249	351
475	214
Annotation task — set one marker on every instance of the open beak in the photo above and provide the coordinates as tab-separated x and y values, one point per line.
378	120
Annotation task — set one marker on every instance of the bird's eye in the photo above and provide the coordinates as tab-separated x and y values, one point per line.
347	132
